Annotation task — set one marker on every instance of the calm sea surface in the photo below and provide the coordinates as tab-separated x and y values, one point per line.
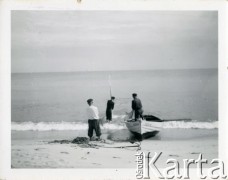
61	97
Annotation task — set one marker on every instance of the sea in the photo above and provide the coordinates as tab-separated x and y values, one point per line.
56	101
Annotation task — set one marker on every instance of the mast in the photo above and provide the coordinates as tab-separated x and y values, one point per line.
110	85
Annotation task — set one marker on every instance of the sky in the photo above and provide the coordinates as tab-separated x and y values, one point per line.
62	41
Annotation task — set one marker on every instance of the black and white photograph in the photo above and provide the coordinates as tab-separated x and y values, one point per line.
90	89
110	90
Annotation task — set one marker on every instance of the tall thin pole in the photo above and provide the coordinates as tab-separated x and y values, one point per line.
110	92
110	86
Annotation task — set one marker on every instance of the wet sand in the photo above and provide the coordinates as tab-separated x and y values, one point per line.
31	149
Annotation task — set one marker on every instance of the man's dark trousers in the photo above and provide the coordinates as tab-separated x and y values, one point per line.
94	125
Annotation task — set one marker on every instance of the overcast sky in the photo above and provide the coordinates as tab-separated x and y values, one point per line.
47	41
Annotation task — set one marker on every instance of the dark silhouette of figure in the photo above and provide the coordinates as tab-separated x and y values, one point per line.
110	107
137	106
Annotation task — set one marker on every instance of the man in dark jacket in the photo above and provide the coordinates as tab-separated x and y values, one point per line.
110	107
137	106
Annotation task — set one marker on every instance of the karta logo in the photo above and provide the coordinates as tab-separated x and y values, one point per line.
146	166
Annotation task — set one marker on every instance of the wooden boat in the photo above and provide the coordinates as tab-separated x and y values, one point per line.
144	128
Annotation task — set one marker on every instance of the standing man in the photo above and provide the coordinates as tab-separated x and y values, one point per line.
136	106
110	107
93	120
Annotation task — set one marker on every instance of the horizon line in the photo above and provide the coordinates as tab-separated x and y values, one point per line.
113	70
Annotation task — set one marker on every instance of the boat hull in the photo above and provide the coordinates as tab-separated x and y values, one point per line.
144	135
144	128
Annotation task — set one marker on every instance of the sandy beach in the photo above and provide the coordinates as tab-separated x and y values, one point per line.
39	151
59	60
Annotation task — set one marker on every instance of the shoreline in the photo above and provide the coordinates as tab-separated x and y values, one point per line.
37	152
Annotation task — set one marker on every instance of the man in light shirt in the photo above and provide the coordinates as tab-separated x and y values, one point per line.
93	120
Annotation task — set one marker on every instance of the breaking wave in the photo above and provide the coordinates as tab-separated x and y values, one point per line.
191	125
58	126
61	126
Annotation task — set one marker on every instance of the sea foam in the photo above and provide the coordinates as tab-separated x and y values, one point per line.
61	126
191	125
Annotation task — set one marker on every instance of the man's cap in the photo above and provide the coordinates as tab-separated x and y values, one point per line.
134	94
112	97
89	101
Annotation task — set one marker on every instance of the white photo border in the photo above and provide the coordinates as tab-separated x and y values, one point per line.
5	78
